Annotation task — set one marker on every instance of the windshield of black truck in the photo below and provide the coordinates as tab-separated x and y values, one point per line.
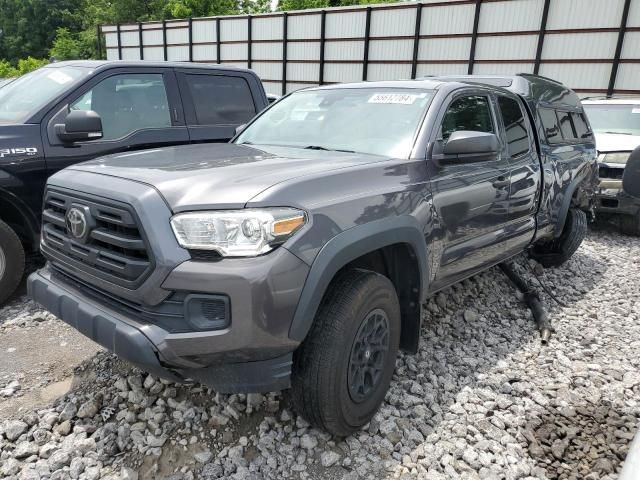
23	97
622	119
379	121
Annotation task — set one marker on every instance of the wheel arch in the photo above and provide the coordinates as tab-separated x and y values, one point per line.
19	217
394	247
571	198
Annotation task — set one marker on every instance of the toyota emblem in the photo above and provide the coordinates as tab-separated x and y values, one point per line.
76	222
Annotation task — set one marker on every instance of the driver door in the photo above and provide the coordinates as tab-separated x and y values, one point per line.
471	199
139	108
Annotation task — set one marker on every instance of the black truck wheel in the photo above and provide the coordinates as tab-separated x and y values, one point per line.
630	224
11	261
342	370
557	252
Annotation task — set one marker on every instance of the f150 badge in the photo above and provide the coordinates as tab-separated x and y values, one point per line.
18	151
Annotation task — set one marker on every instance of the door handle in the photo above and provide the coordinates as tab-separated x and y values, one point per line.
501	182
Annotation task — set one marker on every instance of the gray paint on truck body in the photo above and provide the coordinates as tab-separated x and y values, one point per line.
456	220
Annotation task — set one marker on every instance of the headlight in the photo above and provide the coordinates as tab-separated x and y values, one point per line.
237	233
614	157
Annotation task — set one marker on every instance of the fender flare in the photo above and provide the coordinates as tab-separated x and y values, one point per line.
566	202
24	211
346	247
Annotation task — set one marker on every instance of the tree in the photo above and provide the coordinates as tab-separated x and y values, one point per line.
29	26
285	5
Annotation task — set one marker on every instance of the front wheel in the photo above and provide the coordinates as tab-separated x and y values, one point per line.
342	370
11	261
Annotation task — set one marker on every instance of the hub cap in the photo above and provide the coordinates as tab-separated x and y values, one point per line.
368	355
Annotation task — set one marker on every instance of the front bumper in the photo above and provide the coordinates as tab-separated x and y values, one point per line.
252	354
614	201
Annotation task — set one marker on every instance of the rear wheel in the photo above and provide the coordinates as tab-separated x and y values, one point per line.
342	370
560	250
11	261
630	224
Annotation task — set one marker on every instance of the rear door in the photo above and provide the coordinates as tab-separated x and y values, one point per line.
217	102
525	170
471	199
140	108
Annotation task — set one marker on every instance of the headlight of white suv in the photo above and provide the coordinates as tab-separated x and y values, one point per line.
237	233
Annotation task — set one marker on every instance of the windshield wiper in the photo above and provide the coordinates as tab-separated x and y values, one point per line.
319	147
619	133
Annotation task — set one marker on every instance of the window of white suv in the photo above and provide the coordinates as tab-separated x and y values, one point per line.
614	118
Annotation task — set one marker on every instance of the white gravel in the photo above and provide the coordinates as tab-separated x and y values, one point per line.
482	399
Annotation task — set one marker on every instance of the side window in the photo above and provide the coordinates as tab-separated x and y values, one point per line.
580	124
566	126
550	124
514	125
221	100
467	113
128	102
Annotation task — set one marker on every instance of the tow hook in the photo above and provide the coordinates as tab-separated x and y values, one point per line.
532	299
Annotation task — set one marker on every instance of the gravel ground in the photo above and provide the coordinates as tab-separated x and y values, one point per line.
482	399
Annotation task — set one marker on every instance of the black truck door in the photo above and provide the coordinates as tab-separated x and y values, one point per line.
471	199
216	102
525	168
139	107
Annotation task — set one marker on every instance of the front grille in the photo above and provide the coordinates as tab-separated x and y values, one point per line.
611	173
114	247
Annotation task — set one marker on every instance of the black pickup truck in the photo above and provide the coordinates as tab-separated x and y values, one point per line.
70	112
300	254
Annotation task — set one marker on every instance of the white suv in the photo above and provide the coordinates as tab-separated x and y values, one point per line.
616	125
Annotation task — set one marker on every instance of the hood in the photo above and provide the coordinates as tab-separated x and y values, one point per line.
197	177
614	142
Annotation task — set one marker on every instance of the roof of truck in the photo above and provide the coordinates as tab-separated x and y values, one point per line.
99	64
535	89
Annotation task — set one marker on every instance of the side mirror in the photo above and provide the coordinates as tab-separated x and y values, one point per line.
631	176
465	142
240	128
80	125
272	98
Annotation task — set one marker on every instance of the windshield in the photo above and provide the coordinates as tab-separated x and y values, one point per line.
623	119
26	95
378	121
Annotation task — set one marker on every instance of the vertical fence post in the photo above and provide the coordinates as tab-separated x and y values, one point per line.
218	48
99	42
367	34
164	39
249	41
616	57
141	45
474	37
119	42
543	29
285	18
416	41
323	23
190	39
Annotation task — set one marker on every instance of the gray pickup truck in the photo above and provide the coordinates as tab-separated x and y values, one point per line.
299	255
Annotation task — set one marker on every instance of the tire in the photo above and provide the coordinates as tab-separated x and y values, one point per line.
323	390
559	251
630	224
11	261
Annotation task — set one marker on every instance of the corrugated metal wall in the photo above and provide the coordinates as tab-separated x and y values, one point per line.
590	45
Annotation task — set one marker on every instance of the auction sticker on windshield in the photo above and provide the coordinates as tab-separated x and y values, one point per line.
59	77
394	98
